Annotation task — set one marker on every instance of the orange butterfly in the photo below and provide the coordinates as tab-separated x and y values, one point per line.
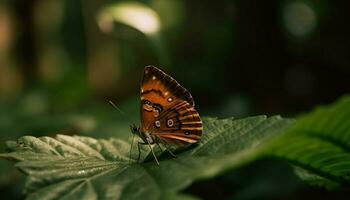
167	112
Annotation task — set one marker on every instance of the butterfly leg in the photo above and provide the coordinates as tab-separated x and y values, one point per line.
168	149
138	148
150	146
132	144
154	155
161	150
171	153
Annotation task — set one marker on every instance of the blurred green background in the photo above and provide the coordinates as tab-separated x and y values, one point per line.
61	61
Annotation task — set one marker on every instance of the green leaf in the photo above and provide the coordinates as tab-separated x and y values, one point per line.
75	167
319	143
314	179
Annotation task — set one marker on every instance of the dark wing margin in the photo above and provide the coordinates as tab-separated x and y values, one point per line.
173	86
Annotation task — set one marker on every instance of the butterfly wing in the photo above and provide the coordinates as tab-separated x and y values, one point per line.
163	98
159	90
178	124
156	81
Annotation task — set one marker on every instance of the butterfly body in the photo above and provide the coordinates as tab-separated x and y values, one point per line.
145	136
167	111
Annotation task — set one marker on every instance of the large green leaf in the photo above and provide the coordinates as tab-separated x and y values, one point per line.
318	144
75	167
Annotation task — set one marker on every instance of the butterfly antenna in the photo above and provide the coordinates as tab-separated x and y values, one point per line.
133	135
121	112
132	144
116	107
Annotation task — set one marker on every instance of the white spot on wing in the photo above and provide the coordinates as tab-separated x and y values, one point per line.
170	123
157	123
153	78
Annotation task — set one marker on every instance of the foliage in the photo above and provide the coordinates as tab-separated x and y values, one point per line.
319	143
81	167
77	167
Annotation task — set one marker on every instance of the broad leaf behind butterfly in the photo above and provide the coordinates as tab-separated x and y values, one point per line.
81	167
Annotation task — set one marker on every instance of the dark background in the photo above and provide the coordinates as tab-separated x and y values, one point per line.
61	61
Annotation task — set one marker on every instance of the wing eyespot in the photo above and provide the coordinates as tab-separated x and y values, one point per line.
170	123
157	123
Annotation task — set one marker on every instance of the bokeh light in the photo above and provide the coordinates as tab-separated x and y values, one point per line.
133	14
299	18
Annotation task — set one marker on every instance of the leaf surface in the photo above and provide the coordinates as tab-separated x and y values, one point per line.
76	167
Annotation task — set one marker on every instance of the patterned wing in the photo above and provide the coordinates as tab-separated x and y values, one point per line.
158	91
178	124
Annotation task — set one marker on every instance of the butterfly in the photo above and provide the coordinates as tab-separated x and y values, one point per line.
167	111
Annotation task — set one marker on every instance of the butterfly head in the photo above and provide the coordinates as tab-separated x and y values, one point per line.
145	136
134	129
